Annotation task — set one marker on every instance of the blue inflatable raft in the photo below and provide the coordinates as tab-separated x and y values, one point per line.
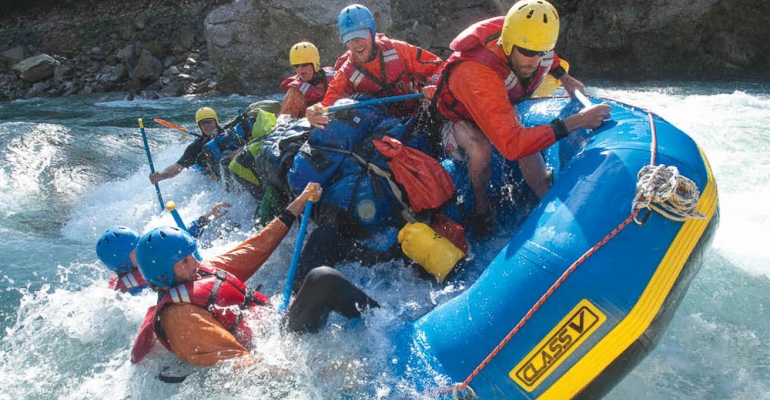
586	286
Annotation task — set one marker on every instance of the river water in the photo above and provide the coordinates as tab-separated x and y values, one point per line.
72	167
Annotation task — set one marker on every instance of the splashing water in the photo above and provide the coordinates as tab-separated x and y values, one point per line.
73	167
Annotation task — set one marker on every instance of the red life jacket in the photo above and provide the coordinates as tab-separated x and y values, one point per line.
395	79
128	282
312	93
217	291
470	45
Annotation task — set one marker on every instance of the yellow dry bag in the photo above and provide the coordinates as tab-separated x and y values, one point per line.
433	252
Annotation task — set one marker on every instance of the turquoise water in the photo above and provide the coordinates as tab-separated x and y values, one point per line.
72	167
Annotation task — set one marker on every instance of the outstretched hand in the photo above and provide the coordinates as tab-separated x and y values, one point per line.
589	118
155	177
218	210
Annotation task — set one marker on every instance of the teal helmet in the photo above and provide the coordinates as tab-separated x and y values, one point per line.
159	249
115	247
353	21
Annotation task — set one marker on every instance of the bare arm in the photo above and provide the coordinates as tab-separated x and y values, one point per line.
170	172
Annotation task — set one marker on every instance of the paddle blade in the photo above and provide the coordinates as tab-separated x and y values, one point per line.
170	125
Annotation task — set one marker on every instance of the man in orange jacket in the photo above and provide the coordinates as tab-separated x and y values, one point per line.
497	63
376	65
203	306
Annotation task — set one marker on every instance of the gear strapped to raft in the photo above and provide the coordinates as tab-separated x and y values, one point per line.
659	188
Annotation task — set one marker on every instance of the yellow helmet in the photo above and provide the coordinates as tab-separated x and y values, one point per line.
305	53
205	113
532	25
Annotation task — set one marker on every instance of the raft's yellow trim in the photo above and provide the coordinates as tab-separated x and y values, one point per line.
640	317
580	323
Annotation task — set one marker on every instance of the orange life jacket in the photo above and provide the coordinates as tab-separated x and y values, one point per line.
217	291
471	45
309	89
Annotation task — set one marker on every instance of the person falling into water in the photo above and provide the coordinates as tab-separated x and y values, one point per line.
116	249
203	306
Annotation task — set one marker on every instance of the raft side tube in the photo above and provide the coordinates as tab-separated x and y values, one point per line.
612	309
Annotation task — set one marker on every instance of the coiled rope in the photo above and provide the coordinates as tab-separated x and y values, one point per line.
659	188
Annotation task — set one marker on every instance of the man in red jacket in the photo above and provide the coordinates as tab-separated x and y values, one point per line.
497	63
376	65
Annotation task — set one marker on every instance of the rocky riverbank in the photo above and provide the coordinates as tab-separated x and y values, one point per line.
154	48
145	48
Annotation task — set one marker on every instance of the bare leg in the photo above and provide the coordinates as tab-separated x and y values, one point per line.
535	174
479	151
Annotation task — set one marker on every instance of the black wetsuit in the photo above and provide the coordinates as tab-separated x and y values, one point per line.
323	290
194	153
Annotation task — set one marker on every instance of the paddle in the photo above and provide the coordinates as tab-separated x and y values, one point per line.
177	127
149	160
171	207
582	99
295	256
384	100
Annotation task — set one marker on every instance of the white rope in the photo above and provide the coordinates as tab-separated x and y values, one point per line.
457	396
662	189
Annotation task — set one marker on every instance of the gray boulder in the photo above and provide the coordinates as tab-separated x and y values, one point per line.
667	39
148	68
249	44
35	68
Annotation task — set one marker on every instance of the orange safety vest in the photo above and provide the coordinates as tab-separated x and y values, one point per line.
471	45
311	92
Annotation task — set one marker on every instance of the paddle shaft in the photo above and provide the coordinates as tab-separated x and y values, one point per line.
295	256
582	99
149	160
384	100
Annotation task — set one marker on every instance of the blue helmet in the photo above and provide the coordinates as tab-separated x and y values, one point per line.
115	247
353	21
159	249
